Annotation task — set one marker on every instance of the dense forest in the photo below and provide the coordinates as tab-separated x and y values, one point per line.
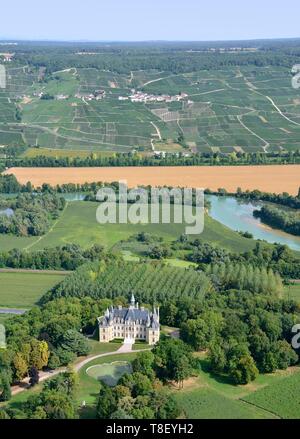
171	57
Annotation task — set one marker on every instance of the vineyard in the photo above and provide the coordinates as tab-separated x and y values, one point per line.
281	399
148	281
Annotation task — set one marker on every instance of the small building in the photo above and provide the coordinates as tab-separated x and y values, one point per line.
130	324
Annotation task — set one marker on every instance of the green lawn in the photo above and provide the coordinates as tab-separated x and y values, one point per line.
23	290
78	224
89	387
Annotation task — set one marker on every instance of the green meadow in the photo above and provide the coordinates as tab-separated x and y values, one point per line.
78	224
23	290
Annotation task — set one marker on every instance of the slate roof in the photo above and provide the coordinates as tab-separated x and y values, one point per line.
131	314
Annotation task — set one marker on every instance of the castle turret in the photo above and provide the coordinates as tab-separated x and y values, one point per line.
132	301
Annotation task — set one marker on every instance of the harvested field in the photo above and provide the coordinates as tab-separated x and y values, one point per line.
277	178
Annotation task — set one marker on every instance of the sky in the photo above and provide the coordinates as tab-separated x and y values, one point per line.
141	20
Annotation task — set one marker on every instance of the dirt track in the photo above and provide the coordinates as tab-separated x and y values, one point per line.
277	178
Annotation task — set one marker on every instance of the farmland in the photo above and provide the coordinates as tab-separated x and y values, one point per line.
270	396
23	290
77	224
281	399
228	177
243	108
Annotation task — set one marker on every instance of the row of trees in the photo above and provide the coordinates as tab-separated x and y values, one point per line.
66	257
149	281
245	277
170	159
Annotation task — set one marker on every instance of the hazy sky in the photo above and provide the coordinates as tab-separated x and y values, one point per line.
136	20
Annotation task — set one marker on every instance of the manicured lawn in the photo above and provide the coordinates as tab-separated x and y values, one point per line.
89	387
23	290
102	348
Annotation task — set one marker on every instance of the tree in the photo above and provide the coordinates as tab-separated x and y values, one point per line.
75	342
201	331
143	363
39	354
5	391
243	369
20	366
106	404
34	376
120	414
173	360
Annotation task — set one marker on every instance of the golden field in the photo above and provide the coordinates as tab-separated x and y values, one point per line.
275	178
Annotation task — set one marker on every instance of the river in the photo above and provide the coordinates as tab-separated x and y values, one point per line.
238	215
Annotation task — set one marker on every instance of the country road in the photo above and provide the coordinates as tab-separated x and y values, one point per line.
13	311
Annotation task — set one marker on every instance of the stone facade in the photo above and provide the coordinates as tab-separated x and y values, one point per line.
132	323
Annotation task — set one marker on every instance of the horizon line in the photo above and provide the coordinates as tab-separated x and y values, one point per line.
44	40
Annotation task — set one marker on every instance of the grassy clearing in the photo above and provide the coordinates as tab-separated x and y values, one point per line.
23	290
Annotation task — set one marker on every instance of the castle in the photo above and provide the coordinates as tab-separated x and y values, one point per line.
132	323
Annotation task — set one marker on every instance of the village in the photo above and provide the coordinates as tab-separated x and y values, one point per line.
139	96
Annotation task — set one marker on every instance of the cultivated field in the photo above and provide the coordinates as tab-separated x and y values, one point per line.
283	399
23	290
236	109
77	224
275	178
